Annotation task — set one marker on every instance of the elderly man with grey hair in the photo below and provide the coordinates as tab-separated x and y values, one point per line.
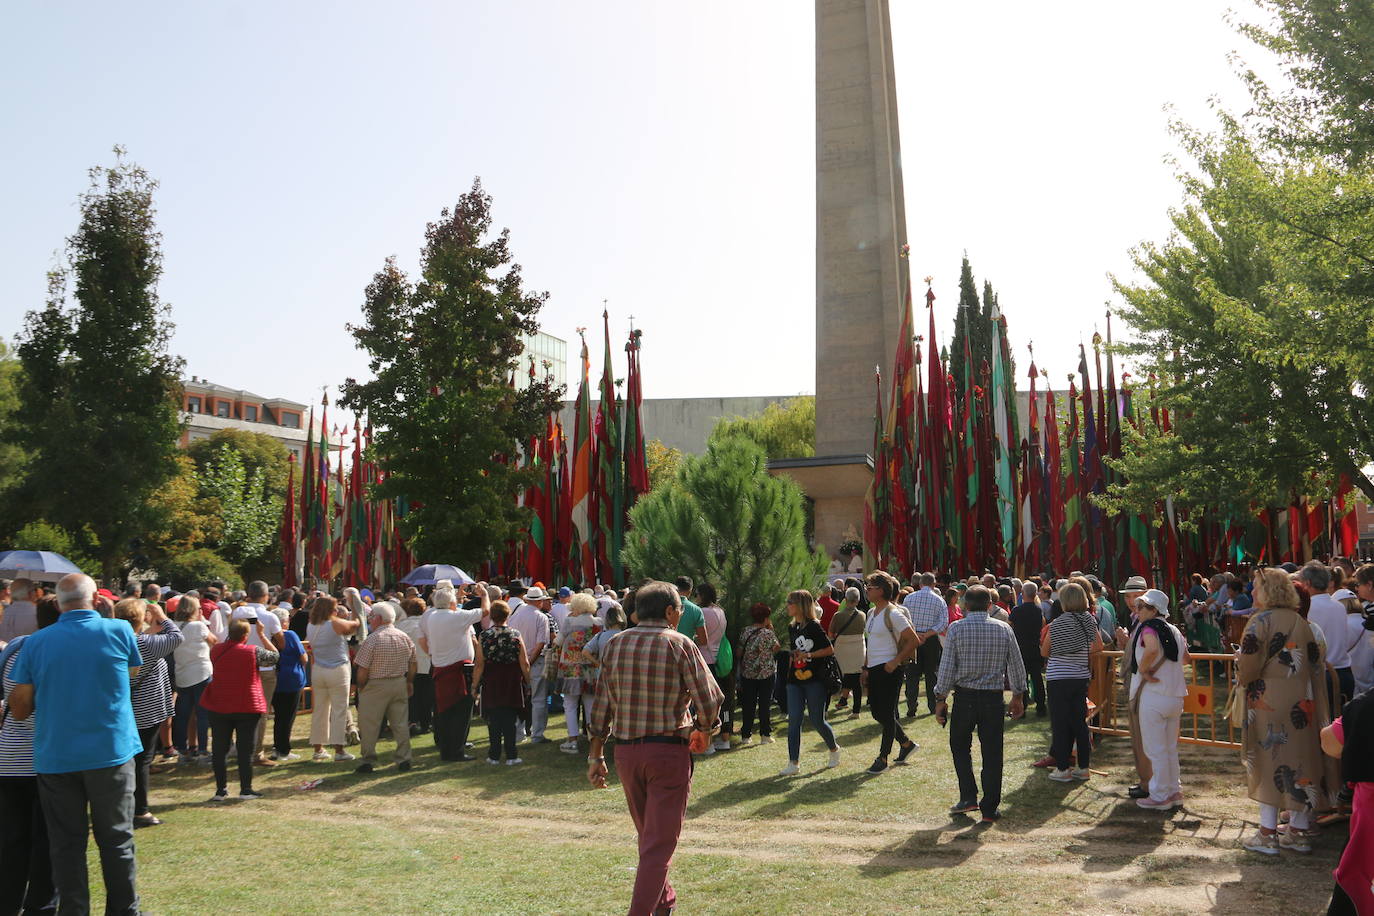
386	679
1329	614
20	617
75	676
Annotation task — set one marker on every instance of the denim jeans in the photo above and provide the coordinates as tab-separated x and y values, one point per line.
188	705
803	699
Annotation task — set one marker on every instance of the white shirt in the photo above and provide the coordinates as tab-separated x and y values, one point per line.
448	634
411	627
1362	655
1329	614
715	632
1170	679
192	657
271	626
533	627
559	613
218	621
882	648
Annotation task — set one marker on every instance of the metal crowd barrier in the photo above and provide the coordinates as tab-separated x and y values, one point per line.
1211	678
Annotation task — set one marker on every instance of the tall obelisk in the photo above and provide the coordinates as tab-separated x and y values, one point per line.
860	219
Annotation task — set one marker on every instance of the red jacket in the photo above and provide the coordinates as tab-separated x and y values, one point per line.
234	684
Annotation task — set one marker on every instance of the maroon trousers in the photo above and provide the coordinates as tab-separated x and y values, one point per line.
656	779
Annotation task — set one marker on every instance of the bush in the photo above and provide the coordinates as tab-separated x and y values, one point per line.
194	568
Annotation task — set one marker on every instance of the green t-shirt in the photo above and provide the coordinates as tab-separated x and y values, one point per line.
691	620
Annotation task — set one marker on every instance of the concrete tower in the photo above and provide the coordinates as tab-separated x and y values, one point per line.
860	219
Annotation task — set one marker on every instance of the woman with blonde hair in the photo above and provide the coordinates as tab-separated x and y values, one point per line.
574	664
329	677
151	691
806	688
1069	643
1282	669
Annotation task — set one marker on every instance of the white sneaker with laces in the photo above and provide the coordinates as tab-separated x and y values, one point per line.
767	739
288	758
1061	775
834	759
790	770
569	746
514	762
343	756
320	756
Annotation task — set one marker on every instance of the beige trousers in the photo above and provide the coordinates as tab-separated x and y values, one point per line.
387	697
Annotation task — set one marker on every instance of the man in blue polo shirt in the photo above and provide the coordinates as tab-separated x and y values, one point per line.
74	676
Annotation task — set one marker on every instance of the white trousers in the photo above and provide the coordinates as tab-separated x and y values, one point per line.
329	705
1159	720
570	711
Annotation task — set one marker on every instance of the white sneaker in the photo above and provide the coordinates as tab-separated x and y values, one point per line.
320	756
514	762
493	761
767	739
1082	773
790	770
1061	775
834	759
721	744
746	742
343	756
569	746
288	758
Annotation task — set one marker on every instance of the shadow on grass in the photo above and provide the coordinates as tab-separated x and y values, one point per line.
927	848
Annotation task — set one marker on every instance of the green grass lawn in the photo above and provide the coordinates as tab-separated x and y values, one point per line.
473	838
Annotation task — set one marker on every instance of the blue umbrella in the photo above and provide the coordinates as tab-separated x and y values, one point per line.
38	565
433	572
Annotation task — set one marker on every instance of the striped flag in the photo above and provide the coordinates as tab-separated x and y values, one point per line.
582	559
607	492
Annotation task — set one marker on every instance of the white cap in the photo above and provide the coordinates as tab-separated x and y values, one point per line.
1157	600
1341	594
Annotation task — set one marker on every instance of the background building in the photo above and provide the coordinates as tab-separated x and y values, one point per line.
209	407
545	348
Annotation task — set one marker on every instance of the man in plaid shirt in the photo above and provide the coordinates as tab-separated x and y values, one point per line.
981	657
386	679
653	691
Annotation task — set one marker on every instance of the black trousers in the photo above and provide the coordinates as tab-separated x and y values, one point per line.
501	731
854	684
727	687
981	711
925	666
25	863
108	794
241	728
756	699
1068	721
1035	673
882	703
284	706
1341	904
451	729
148	736
422	702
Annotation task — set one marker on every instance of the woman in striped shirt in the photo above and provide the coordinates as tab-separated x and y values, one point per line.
1068	644
151	693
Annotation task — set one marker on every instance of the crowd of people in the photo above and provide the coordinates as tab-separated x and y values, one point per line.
103	691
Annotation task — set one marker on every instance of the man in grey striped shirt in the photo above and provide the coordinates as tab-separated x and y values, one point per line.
981	656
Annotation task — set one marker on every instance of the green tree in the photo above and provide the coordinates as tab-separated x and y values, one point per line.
184	521
442	349
1255	317
98	392
249	512
194	568
966	318
786	430
259	452
727	521
662	461
41	535
1326	51
14	454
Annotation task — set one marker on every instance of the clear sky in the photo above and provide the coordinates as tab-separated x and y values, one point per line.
656	155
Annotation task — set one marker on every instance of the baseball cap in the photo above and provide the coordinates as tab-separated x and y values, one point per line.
564	592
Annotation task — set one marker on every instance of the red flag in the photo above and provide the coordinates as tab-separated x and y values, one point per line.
290	528
1054	485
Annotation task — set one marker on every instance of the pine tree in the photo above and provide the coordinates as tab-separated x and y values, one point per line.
965	322
446	422
725	520
99	391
